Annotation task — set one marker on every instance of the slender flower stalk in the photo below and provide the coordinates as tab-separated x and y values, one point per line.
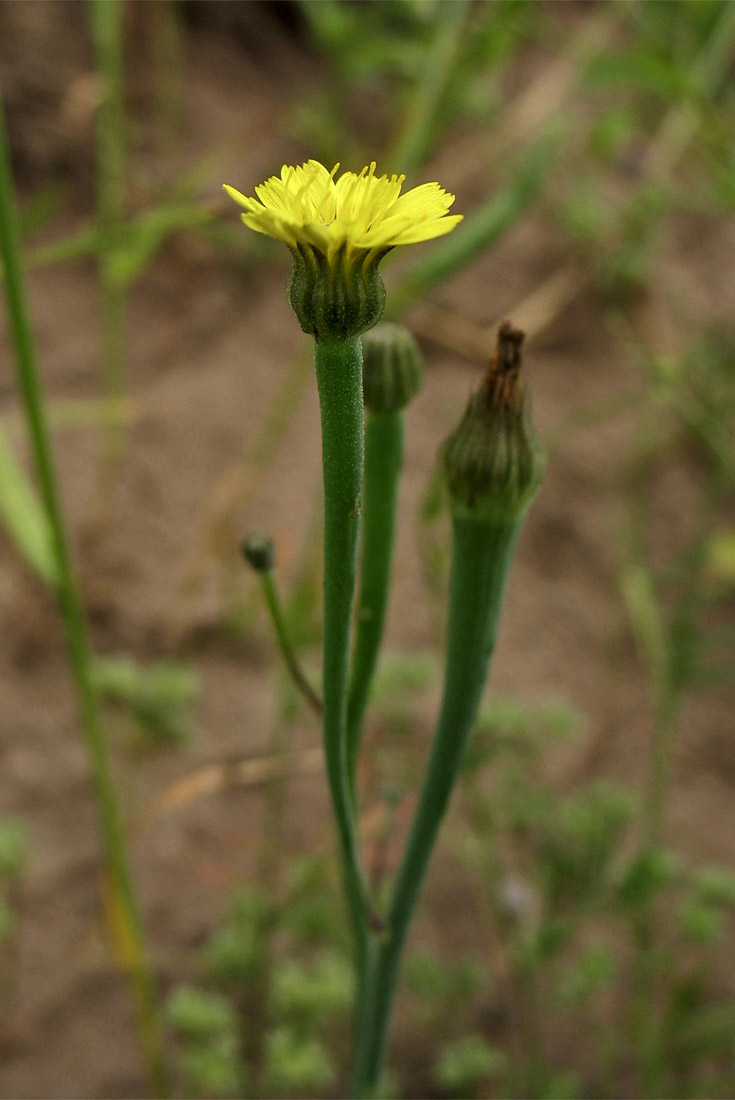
120	893
338	230
392	375
493	465
259	552
339	381
383	460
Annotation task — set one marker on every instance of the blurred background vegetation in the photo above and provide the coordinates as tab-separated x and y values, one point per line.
577	935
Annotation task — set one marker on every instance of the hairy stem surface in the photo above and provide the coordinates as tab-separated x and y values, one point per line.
339	380
383	459
481	554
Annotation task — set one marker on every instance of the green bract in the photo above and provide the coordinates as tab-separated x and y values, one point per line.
334	299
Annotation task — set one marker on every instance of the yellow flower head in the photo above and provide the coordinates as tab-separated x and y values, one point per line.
362	213
338	230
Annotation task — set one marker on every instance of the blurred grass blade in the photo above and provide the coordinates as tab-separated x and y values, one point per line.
138	244
106	23
142	239
422	121
646	620
21	513
167	40
78	645
478	231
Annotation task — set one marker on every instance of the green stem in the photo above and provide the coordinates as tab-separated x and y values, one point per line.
77	641
168	64
339	380
275	609
481	555
421	125
383	460
106	20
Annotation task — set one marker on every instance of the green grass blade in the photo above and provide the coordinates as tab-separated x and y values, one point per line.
479	230
24	518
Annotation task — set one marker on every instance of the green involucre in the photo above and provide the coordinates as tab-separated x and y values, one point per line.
336	299
494	461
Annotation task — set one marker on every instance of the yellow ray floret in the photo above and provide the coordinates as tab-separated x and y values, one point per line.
306	205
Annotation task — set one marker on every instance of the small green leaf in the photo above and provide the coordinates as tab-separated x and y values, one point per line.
700	922
13	846
200	1015
295	1064
466	1063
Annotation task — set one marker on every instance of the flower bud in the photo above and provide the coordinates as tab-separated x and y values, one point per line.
259	552
339	297
494	460
392	368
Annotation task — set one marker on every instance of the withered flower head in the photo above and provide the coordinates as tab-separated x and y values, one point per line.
494	460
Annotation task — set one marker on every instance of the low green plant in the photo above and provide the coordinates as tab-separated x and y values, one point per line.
14	851
465	1065
157	696
207	1026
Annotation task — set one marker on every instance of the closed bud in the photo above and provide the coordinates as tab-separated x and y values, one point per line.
336	297
494	460
392	368
259	552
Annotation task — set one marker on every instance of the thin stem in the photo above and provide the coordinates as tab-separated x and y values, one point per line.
481	555
168	71
427	107
78	647
339	380
275	609
106	20
383	460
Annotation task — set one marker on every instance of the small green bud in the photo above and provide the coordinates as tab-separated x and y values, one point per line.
392	368
494	460
338	297
259	552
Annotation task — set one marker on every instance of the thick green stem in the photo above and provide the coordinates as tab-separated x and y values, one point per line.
383	460
339	379
481	555
78	647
